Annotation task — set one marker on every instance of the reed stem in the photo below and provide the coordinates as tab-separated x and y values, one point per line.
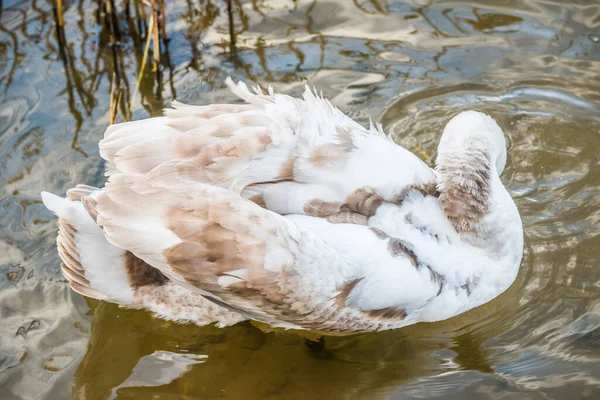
155	38
144	60
59	13
115	99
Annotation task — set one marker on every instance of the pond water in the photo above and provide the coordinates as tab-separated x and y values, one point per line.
534	65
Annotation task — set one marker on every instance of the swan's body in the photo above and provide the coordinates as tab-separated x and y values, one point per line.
286	211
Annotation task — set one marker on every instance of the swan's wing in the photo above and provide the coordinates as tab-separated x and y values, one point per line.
237	253
285	153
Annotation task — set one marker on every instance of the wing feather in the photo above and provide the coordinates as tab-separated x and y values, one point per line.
272	139
224	246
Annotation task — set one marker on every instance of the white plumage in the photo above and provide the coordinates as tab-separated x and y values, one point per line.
286	211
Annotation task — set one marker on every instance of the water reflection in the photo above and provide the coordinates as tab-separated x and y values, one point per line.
246	362
533	65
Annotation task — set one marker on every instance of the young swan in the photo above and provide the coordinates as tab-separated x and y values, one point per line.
225	212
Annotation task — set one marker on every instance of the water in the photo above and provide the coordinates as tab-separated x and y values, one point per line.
533	65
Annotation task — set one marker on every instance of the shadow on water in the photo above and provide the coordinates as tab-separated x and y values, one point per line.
412	65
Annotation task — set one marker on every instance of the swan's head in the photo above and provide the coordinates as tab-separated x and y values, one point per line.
473	131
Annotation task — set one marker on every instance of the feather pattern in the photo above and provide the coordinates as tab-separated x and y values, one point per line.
217	243
286	211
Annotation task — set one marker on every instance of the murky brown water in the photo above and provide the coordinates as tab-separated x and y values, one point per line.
532	64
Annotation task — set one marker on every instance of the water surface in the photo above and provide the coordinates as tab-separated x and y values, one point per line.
533	65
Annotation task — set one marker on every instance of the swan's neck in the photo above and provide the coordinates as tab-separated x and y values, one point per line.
477	204
465	185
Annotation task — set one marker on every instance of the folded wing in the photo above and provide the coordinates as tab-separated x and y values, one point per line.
236	253
284	153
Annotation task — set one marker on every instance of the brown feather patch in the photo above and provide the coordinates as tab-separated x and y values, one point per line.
287	169
398	247
209	251
386	313
139	273
325	155
202	269
321	209
466	190
364	201
345	290
333	153
215	245
258	199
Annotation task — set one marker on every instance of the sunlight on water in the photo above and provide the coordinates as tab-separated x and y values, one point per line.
533	65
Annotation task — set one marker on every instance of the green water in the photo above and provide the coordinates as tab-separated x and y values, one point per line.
533	65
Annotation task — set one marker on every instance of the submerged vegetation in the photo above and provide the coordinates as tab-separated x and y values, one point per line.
128	41
145	26
127	44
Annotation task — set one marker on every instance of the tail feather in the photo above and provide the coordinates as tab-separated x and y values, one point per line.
79	284
71	266
97	269
93	267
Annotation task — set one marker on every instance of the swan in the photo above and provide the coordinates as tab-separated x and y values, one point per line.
286	211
